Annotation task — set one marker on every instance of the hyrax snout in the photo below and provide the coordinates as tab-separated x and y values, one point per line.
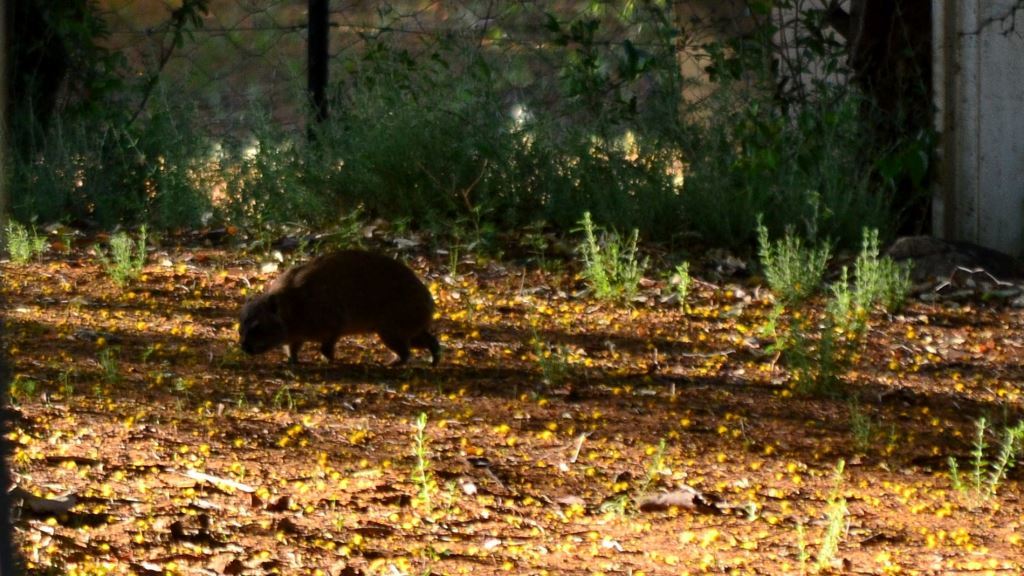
337	294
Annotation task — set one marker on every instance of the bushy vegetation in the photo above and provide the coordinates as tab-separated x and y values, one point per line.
611	266
986	475
100	172
880	280
466	141
805	173
819	346
793	269
23	244
126	257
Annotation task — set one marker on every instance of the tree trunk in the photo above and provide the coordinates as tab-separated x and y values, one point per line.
6	545
890	53
889	44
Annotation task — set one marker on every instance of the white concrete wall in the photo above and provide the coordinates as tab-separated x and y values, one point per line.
979	91
701	22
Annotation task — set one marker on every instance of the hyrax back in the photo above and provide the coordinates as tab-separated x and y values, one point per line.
346	292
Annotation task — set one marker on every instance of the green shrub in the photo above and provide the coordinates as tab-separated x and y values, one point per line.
428	137
987	475
625	182
418	139
610	264
681	281
434	141
23	244
792	269
819	347
836	524
879	280
126	258
801	154
805	167
274	178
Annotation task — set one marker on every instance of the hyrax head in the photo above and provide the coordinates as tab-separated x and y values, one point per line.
261	327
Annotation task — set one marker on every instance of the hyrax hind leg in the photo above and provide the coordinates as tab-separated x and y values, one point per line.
399	345
293	351
427	341
327	347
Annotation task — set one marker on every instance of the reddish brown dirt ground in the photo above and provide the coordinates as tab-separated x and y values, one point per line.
534	466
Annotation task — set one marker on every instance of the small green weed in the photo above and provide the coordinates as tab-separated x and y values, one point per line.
625	500
802	556
451	492
611	268
127	257
535	243
792	269
182	386
836	512
844	310
820	347
987	475
147	353
22	388
880	280
816	352
552	361
283	399
862	427
110	365
655	467
954	476
681	282
892	440
619	505
421	474
453	257
23	244
67	383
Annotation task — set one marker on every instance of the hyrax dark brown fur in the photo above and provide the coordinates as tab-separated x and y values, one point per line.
346	292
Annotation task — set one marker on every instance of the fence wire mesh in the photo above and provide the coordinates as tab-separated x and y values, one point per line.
249	56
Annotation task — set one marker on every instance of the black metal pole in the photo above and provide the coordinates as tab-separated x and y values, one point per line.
319	22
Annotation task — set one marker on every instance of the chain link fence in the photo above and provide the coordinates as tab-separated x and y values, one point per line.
492	114
249	56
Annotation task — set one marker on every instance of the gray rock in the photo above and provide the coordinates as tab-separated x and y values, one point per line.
937	259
